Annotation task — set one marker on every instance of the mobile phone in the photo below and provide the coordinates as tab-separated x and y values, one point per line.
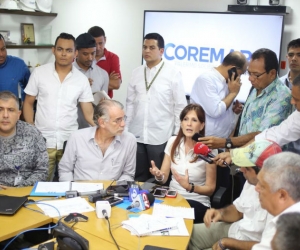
171	193
160	192
231	71
196	136
113	200
118	188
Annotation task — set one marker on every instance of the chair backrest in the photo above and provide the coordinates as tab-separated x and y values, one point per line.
222	195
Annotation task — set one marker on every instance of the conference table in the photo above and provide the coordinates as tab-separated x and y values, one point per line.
95	230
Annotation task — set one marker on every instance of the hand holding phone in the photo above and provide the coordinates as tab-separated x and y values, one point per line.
231	71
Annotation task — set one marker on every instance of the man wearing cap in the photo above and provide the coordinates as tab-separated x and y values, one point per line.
59	87
85	63
104	152
13	72
244	221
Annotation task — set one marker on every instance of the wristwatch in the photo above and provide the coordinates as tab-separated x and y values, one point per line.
228	143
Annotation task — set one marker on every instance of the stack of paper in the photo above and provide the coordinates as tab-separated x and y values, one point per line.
147	224
171	211
64	207
59	188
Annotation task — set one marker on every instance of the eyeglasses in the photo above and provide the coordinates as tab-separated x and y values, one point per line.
119	120
256	76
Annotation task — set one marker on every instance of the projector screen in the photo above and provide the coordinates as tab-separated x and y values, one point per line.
197	41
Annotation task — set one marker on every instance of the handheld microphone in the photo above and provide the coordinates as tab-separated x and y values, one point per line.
202	150
142	201
196	136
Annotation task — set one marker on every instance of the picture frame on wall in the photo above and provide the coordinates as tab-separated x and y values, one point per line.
5	34
27	33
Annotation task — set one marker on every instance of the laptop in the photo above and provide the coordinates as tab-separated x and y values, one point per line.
9	205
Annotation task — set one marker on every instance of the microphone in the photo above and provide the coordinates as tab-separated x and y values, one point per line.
143	201
203	151
196	136
200	149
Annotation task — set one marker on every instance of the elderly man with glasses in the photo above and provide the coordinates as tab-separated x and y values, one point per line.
268	103
104	152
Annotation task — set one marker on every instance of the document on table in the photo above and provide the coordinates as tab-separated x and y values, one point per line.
147	224
72	205
60	188
179	230
171	211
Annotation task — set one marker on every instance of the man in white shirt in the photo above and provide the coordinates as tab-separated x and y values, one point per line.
58	88
155	98
86	64
104	152
278	188
215	92
293	57
289	129
244	221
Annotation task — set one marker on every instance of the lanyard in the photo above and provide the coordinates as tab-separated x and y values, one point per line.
146	83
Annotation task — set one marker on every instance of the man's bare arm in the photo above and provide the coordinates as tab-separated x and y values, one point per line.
28	109
114	81
217	142
88	112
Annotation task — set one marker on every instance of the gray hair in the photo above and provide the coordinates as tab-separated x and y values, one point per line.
102	110
288	231
282	171
6	95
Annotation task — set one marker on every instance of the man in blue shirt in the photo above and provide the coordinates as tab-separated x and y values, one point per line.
13	71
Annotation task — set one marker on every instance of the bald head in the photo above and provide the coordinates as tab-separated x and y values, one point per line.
235	58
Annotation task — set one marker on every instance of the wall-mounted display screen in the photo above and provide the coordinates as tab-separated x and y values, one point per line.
197	41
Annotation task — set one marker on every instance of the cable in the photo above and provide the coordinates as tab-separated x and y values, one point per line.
35	229
138	235
76	221
30	202
109	228
35	210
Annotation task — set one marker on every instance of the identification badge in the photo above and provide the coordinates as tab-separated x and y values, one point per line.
18	180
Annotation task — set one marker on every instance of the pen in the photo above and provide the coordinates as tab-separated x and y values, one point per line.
166	229
162	230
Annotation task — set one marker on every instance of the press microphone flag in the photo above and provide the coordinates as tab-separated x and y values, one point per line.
142	201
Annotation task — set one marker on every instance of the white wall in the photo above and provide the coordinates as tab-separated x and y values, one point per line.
122	21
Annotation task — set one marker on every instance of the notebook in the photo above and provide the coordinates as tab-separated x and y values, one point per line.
59	188
9	205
